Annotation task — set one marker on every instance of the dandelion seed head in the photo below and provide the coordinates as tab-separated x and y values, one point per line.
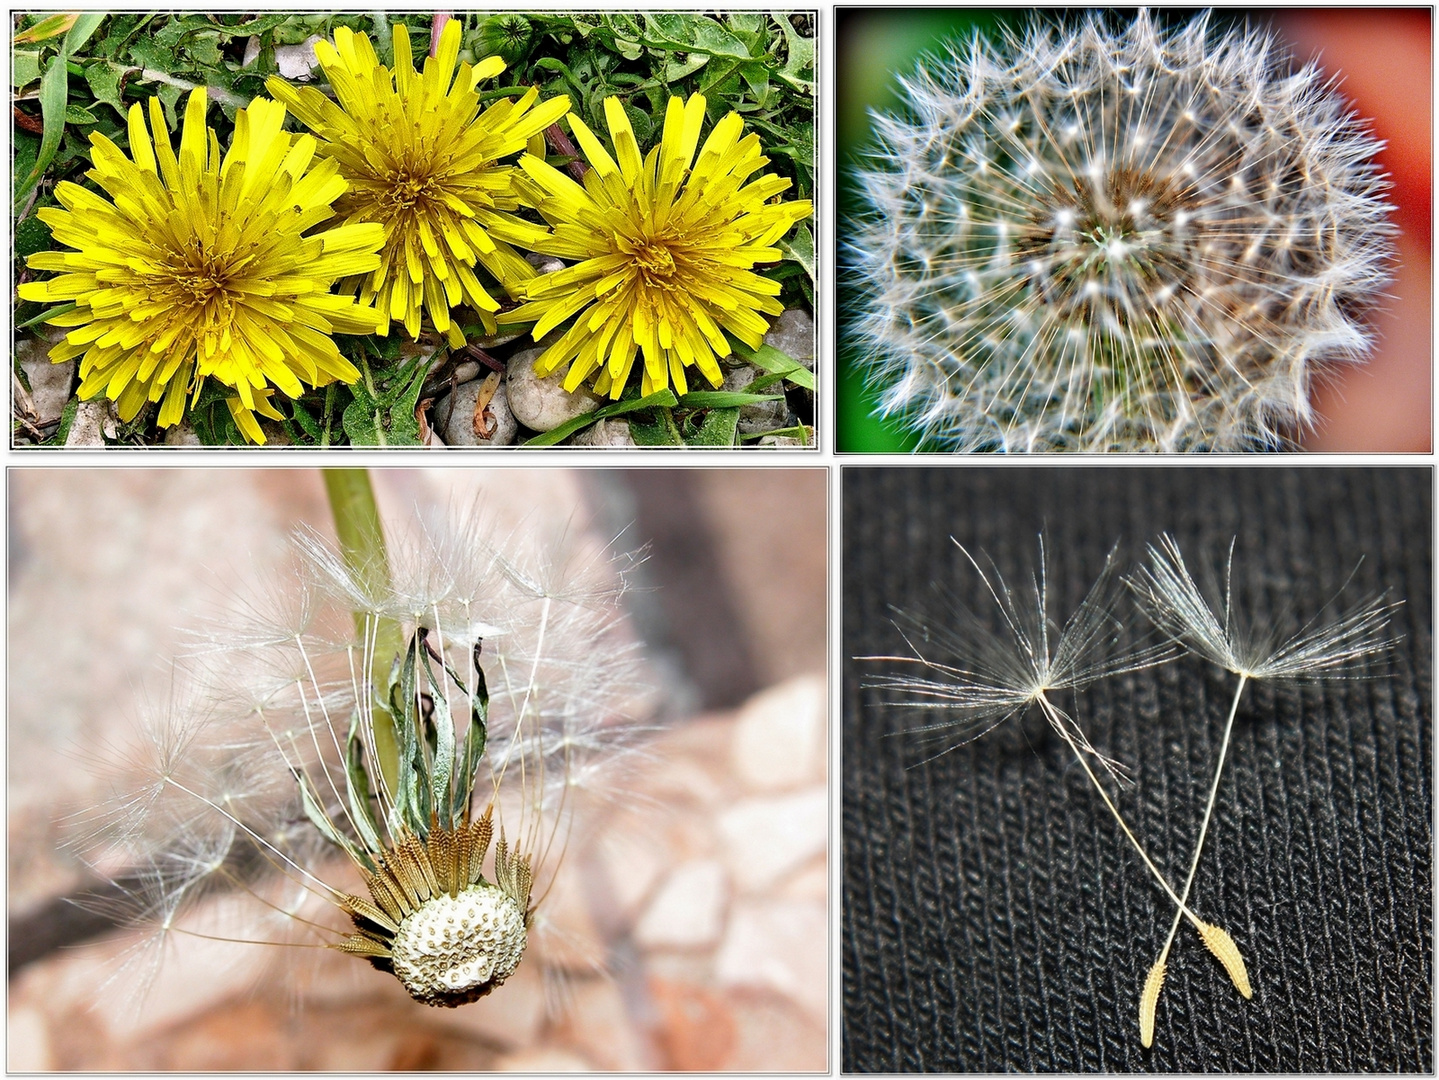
269	783
1229	203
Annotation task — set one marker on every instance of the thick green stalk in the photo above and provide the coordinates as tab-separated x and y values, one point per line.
362	545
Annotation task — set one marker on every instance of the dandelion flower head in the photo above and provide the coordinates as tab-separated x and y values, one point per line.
204	265
666	245
422	159
390	771
1115	239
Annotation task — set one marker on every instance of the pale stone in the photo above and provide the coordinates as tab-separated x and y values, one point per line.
811	883
92	422
297	61
688	910
27	1041
510	1018
50	384
545	264
611	432
543	404
547	1059
761	416
793	335
598	1025
632	866
779	738
457	413
779	944
775	1035
182	434
768	838
784	442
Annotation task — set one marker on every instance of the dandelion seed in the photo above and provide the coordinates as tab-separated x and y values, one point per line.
1173	601
1211	217
423	160
202	266
413	769
666	245
997	677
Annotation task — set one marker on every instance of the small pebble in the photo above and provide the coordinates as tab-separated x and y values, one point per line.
611	432
456	413
543	404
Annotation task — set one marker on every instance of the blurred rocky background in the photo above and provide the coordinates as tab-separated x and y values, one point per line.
692	911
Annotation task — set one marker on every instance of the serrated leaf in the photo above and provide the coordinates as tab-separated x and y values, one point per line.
31	235
657	429
800	248
54	90
105	79
718	429
800	58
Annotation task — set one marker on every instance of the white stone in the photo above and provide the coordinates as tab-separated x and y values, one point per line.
779	736
783	442
768	838
541	1060
457	413
545	264
688	910
182	434
27	1041
297	61
793	335
50	384
543	404
761	416
612	432
779	944
92	420
632	867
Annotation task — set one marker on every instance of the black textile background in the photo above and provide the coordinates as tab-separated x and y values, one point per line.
995	919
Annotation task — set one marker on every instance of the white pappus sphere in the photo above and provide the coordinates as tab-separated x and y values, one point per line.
1105	238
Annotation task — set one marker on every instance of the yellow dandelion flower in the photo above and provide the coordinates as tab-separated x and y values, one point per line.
201	268
665	251
421	159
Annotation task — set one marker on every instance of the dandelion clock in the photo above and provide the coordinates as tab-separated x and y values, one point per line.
1113	233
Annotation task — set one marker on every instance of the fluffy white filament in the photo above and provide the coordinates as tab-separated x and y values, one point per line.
1125	239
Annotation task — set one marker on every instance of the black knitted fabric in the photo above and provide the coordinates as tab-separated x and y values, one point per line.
995	918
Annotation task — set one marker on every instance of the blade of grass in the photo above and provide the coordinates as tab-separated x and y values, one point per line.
662	399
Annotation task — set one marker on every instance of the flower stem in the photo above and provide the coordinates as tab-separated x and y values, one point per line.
362	545
1208	811
1055	719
